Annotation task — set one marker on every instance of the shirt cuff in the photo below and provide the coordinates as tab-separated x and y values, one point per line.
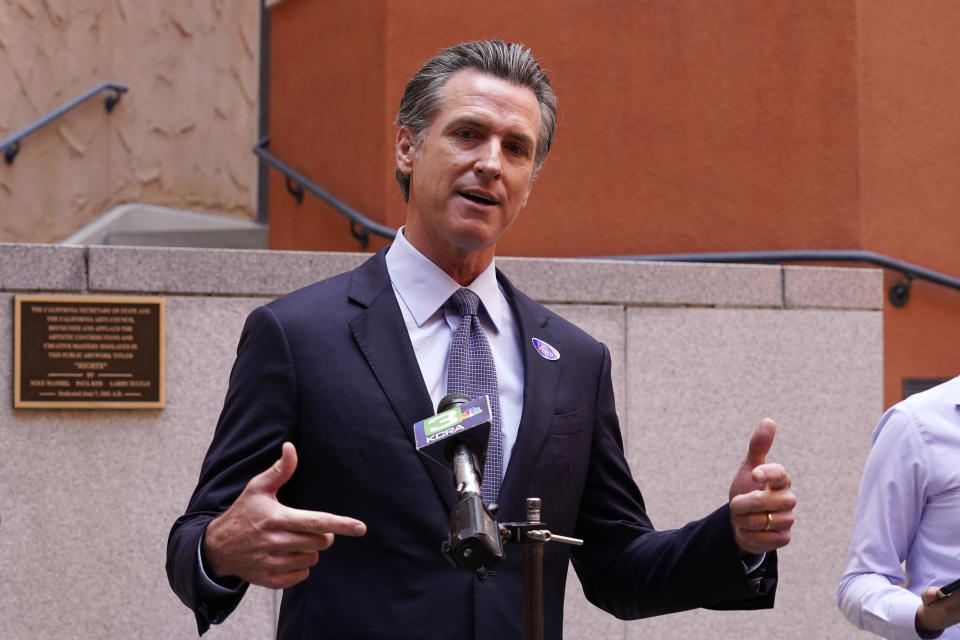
903	617
213	587
751	562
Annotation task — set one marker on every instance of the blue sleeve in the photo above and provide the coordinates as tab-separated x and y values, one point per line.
258	416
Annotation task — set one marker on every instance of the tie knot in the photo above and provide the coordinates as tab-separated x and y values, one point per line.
465	301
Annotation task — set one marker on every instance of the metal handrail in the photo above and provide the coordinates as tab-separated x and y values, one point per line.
297	182
11	146
899	292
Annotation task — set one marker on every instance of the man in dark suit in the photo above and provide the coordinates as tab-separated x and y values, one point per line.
316	435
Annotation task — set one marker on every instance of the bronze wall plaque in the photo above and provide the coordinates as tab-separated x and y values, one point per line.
88	352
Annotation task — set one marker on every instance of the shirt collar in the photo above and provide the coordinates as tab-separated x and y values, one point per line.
424	287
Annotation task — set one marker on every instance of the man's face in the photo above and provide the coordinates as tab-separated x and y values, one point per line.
471	173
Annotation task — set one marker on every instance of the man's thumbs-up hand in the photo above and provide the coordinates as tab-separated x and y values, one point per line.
761	503
266	543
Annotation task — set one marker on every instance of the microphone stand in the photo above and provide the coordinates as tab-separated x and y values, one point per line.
532	534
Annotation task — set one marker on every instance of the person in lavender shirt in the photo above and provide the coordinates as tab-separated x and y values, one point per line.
906	535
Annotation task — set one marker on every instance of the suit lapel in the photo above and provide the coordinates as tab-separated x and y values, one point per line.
382	338
540	379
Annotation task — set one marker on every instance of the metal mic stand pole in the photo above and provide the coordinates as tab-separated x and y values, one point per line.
533	535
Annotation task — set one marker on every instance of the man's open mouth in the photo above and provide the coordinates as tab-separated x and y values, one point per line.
479	199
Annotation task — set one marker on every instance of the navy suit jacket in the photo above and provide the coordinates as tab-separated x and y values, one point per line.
331	368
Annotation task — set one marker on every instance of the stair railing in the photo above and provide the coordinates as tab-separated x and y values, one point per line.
11	146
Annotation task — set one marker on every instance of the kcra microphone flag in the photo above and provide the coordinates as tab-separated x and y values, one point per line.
469	422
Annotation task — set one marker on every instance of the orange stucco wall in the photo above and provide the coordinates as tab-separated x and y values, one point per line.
910	194
685	127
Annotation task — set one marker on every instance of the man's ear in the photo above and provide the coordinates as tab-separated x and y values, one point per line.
406	148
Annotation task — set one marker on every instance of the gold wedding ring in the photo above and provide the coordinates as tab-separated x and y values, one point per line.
769	521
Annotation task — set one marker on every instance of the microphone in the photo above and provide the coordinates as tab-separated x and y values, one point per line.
457	438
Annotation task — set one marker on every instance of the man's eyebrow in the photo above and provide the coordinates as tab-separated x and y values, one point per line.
467	121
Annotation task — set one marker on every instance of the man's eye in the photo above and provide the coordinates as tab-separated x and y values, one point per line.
517	149
465	134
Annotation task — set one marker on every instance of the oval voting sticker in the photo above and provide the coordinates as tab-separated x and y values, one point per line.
545	350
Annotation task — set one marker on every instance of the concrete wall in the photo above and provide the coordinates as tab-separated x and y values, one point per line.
701	353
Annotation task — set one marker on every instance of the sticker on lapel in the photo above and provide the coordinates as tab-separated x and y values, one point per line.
545	350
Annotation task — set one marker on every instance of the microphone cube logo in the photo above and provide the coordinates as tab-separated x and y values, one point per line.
443	421
471	420
449	418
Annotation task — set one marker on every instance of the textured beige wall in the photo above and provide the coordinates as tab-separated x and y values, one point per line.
180	137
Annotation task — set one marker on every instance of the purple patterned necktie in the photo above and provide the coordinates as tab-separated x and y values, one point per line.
471	371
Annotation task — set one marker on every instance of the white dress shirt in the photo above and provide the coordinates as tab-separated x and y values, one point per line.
422	290
908	515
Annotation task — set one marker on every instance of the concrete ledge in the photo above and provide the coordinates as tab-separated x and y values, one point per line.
625	282
832	287
205	271
252	272
41	267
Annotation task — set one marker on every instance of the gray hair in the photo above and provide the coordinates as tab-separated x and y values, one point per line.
508	61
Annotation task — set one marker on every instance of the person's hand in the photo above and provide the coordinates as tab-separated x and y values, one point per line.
761	503
934	614
265	543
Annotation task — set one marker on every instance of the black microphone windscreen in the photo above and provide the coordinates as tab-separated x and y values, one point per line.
452	400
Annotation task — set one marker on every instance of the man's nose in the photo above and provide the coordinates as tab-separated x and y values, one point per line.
488	162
